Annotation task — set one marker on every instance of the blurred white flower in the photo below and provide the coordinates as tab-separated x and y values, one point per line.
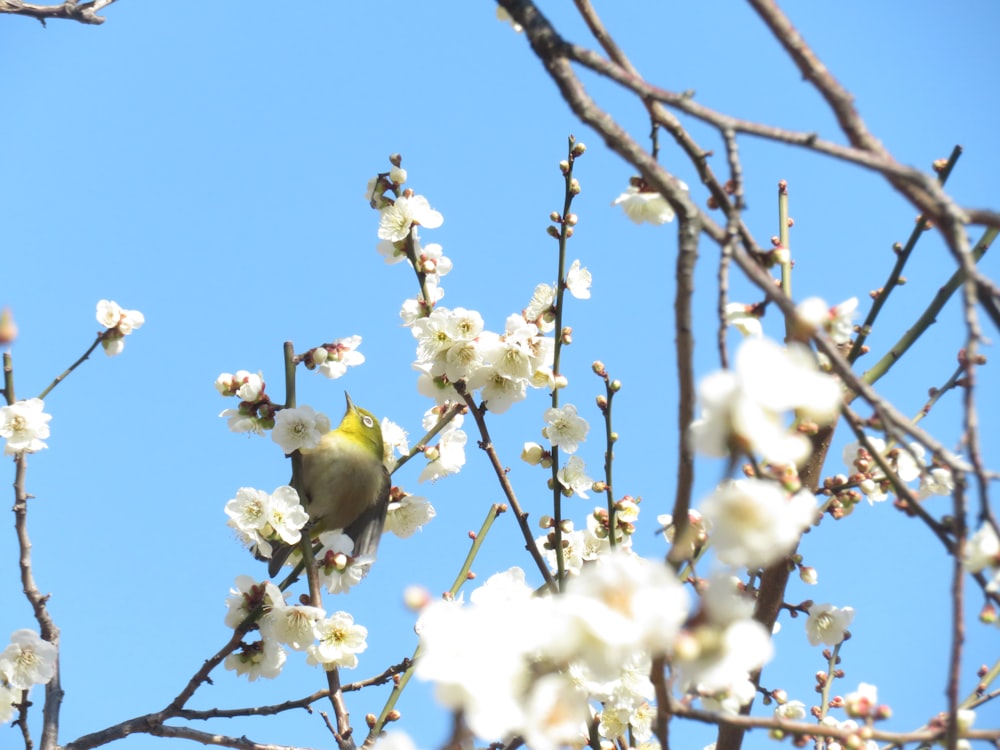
744	409
755	522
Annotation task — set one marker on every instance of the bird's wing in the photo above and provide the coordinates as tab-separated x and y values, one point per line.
366	529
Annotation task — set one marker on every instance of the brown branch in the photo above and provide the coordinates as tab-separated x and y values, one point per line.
688	231
927	735
68	11
486	444
39	605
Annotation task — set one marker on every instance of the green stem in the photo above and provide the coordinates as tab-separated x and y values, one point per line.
609	457
62	376
784	240
564	232
460	579
8	378
929	316
903	256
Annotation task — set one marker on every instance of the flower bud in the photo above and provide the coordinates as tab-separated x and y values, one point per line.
808	575
578	149
574	186
564	166
397	175
8	328
416	597
532	453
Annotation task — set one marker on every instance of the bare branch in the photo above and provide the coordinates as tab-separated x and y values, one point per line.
68	11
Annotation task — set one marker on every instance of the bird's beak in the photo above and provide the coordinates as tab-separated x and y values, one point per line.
350	404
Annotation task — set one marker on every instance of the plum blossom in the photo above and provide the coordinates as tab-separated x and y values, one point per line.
24	424
263	658
982	550
743	319
408	514
906	463
260	518
564	428
397	219
302	427
828	624
755	522
247	596
448	455
541	308
28	660
333	359
578	281
119	322
744	408
338	570
292	626
642	206
837	321
573	477
339	641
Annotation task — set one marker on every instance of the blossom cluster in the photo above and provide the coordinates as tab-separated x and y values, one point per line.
744	410
454	347
119	324
540	667
329	641
27	661
907	463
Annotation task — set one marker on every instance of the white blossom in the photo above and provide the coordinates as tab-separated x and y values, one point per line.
263	658
578	281
396	220
302	427
573	477
28	660
24	424
640	207
339	641
408	514
754	521
744	409
828	624
564	428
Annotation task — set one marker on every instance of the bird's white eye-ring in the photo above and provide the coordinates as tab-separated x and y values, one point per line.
369	422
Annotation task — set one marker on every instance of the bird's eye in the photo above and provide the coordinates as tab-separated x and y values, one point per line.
368	421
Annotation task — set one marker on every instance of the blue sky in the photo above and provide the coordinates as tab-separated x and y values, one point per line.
206	165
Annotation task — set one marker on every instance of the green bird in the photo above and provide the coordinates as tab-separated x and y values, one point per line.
344	485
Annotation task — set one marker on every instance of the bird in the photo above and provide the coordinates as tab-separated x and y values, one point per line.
345	485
